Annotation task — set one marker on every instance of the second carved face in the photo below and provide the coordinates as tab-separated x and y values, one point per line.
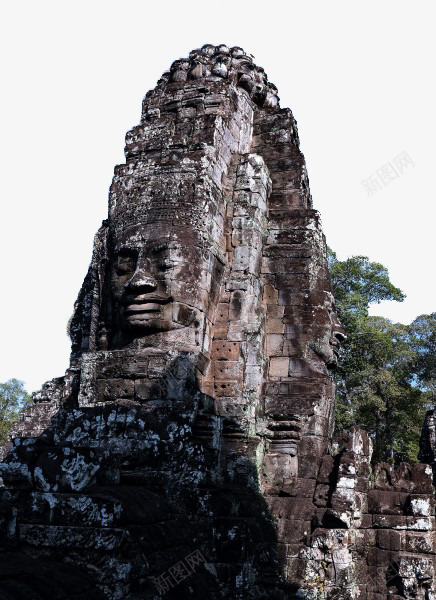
331	334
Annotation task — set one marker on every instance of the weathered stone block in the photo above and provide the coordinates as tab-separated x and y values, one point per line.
389	540
222	350
78	537
274	346
388	503
279	367
419	542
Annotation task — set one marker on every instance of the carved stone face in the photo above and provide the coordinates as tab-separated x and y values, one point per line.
328	343
159	284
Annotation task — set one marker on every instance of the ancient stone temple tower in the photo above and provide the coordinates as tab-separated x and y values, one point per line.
187	452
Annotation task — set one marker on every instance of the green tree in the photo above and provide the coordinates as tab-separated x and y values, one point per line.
377	379
382	394
13	399
422	333
357	283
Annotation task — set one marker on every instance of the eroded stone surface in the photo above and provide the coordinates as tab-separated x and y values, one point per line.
187	452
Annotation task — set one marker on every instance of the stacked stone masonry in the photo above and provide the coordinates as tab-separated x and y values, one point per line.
188	451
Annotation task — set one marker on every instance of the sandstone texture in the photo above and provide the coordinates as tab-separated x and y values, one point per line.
187	452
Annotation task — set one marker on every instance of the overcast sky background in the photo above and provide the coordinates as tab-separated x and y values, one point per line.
358	76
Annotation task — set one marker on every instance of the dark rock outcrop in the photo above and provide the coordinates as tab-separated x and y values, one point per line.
188	449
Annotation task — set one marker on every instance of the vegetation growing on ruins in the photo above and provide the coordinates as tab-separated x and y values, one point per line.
386	376
13	398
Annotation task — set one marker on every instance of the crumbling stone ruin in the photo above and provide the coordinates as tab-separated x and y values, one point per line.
188	451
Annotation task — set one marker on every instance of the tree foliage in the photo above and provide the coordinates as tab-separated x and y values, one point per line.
386	368
13	398
422	334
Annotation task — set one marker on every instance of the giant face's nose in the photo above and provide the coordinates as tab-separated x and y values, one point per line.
340	335
141	282
338	331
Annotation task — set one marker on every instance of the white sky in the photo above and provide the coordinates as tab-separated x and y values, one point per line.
359	77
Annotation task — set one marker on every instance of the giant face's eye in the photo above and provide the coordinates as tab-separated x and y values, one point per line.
164	258
125	264
166	263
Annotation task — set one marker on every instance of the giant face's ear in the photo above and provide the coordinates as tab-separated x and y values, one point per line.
85	323
106	318
217	272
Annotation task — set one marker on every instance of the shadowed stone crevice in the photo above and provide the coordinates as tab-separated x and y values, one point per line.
26	578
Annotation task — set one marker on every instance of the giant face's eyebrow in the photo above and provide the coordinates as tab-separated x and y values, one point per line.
126	251
163	246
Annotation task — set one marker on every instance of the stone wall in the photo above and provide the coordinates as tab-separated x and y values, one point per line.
188	450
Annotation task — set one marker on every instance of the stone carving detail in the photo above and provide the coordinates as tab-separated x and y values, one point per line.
427	450
212	62
188	449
